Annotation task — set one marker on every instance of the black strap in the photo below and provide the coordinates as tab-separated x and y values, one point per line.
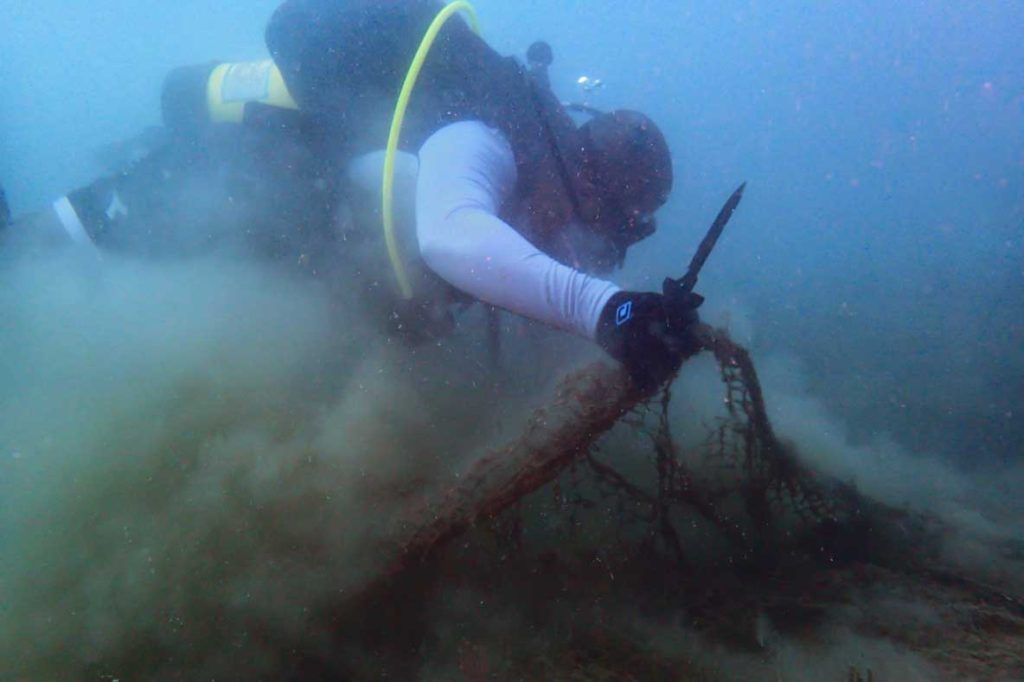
553	144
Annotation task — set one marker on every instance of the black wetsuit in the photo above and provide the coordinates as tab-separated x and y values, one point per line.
337	55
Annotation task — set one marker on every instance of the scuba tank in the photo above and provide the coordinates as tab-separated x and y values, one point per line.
195	96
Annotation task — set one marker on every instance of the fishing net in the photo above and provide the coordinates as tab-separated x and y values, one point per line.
758	489
794	544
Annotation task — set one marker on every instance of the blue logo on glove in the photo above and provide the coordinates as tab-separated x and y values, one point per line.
624	313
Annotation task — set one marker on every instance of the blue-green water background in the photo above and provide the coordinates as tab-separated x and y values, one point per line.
882	239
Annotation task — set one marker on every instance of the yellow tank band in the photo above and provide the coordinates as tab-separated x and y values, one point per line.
388	188
279	95
232	86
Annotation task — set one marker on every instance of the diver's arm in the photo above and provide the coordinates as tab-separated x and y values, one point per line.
467	172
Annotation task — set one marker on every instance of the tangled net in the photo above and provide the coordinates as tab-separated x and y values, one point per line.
758	490
767	489
799	543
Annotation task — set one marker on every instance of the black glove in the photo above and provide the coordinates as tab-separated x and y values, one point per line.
648	334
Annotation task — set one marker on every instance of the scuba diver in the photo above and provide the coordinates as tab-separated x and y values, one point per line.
506	200
504	174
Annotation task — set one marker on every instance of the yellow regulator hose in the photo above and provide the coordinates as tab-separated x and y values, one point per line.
388	189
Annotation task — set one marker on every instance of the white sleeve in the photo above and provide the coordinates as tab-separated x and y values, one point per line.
467	172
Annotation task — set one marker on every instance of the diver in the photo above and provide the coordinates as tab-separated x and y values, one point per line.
507	200
504	174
